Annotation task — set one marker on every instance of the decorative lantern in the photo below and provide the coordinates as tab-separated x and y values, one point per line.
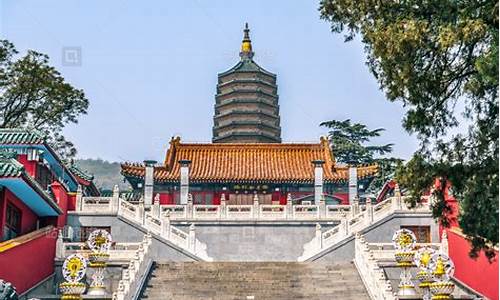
99	242
442	268
73	270
421	260
404	242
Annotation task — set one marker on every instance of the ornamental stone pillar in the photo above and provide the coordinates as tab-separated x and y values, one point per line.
192	238
289	206
353	183
223	206
149	166
318	180
113	204
184	180
79	198
256	210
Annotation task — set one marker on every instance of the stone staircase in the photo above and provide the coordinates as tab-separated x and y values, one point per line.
254	280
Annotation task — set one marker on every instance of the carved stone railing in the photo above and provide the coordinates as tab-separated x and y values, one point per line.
374	279
158	222
136	273
351	223
264	212
119	251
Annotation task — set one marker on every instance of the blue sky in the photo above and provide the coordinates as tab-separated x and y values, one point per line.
149	68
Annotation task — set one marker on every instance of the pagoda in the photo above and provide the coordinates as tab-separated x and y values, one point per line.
246	159
246	103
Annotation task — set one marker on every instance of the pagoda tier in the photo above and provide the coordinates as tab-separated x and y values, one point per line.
246	103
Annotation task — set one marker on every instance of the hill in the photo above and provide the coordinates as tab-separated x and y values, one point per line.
106	174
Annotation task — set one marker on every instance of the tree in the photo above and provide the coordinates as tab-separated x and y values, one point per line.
348	140
434	56
34	95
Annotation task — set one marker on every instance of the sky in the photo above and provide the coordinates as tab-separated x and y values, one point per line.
149	69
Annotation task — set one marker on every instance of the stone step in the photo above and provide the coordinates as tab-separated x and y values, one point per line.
253	280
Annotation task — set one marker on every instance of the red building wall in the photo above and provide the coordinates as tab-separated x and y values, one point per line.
28	217
479	274
29	165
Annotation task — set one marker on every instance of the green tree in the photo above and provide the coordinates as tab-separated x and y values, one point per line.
33	94
348	142
432	56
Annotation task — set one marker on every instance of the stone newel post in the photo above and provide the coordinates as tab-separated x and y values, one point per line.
353	183
113	205
156	206
289	206
149	166
256	210
192	238
79	198
184	180
318	180
223	205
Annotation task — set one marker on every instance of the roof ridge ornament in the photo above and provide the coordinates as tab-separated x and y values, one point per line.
246	44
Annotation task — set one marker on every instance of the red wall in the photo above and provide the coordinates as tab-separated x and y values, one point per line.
28	217
27	264
478	274
29	165
61	196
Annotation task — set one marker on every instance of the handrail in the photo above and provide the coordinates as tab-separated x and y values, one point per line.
354	222
9	244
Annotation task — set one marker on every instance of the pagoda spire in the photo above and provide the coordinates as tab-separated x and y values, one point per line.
246	44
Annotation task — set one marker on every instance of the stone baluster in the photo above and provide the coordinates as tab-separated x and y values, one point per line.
60	248
166	225
396	200
192	238
443	248
319	236
156	206
322	207
125	279
131	268
355	206
189	206
79	198
344	223
113	203
140	213
223	213
256	208
120	292
289	206
368	211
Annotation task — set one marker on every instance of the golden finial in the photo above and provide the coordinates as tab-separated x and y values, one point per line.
439	271
426	257
246	44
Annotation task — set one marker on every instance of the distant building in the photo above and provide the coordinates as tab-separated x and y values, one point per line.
246	103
